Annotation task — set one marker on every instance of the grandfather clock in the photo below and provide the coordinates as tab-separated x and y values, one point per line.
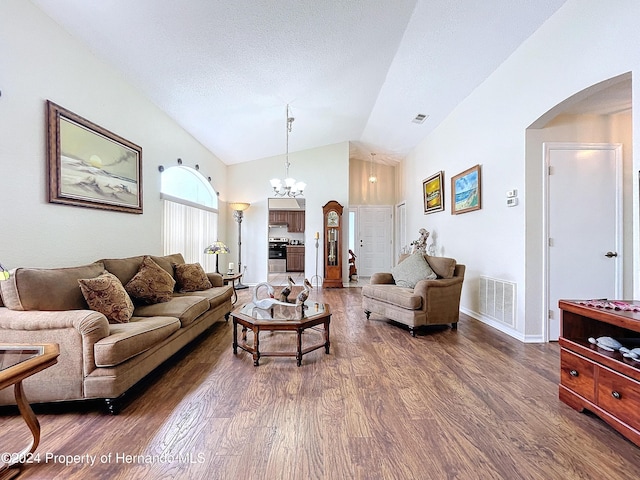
332	245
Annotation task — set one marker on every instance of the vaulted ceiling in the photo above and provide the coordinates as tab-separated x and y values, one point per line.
351	70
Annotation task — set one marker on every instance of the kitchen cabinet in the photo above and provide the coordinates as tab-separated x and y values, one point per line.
294	219
278	217
295	258
592	378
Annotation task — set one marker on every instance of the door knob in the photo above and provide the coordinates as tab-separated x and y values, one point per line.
611	254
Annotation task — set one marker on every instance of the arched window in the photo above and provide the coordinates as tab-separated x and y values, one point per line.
190	215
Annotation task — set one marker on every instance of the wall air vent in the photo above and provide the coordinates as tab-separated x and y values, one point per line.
420	118
498	300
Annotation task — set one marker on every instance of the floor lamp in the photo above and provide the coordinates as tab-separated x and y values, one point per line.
238	213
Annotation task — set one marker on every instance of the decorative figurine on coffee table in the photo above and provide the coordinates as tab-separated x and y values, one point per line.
304	294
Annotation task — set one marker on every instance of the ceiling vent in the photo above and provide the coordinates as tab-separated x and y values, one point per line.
420	118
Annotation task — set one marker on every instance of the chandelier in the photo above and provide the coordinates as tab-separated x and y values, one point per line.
289	187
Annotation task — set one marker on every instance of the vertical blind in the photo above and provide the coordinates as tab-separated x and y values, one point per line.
188	230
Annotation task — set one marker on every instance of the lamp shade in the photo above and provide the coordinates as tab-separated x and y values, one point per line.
239	206
217	248
4	273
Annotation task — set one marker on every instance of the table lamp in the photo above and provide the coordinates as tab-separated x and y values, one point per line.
4	273
216	249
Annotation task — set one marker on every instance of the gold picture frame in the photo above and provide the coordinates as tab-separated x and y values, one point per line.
89	166
433	193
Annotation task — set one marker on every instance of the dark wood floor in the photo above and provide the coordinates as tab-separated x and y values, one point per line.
470	403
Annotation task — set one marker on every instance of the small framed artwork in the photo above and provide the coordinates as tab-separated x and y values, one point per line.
89	166
433	193
466	191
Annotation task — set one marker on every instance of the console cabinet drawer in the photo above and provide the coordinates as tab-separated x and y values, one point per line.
620	396
577	374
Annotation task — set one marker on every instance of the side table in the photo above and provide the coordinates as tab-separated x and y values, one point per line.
17	362
231	278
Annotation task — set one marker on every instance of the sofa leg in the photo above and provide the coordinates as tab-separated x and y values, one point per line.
413	331
454	326
226	316
367	313
113	405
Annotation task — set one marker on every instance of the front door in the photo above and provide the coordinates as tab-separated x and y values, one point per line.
373	240
584	208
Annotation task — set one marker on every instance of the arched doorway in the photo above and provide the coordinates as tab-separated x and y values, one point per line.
598	114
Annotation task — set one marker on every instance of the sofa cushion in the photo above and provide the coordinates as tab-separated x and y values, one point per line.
186	308
216	295
393	294
443	266
105	294
411	270
53	289
191	277
127	340
152	284
168	261
123	268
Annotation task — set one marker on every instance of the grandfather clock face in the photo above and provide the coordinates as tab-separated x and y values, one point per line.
333	219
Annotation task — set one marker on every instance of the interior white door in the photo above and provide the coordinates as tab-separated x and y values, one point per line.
584	255
401	230
374	240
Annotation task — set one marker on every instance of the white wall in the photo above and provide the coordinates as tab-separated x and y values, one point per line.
325	170
40	61
573	128
585	42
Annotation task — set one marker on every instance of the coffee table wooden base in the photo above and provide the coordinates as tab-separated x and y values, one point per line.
282	326
11	469
14	375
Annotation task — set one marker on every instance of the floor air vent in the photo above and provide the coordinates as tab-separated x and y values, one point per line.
498	300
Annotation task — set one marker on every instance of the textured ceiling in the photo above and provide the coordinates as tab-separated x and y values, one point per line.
351	70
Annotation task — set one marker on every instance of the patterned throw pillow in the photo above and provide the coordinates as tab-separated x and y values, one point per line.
191	277
411	270
152	283
105	294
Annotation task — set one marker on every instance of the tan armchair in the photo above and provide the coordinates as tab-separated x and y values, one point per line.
430	302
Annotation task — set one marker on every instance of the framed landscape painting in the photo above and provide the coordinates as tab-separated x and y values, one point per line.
433	193
466	191
91	167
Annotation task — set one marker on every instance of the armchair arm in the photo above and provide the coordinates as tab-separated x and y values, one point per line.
441	299
382	278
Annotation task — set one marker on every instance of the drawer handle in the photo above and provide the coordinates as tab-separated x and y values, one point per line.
573	373
616	395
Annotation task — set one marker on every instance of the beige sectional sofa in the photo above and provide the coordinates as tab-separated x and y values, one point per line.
101	358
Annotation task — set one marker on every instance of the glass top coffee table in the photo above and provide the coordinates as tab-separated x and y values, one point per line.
17	362
281	318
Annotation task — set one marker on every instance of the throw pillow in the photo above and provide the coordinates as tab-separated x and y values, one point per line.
152	284
191	277
411	270
105	294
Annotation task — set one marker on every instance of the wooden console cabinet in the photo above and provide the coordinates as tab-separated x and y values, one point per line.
592	378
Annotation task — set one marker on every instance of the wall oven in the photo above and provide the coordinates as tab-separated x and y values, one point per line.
278	254
278	248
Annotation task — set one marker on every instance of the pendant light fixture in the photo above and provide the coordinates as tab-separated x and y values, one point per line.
289	187
372	176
